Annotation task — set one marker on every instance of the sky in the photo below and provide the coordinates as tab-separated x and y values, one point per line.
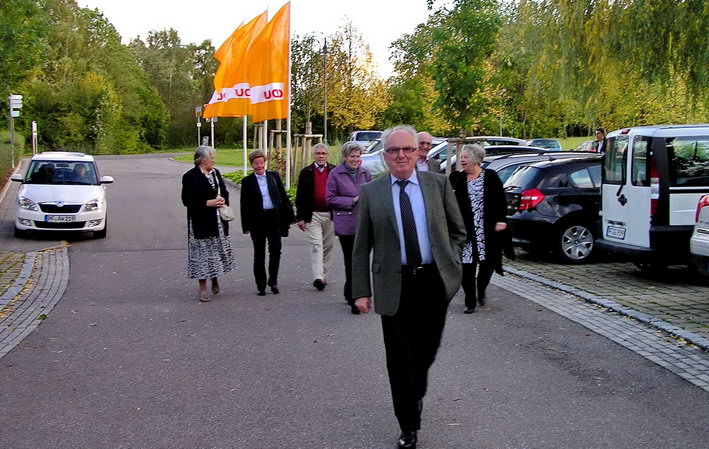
380	21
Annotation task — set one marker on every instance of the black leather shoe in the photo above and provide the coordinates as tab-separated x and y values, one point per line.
319	284
407	440
481	300
468	310
262	292
274	289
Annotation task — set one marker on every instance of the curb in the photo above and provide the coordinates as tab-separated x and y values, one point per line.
9	182
644	318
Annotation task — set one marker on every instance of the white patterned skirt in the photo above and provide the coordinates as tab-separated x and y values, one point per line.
210	257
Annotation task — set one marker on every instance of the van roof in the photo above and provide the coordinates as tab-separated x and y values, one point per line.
664	130
62	156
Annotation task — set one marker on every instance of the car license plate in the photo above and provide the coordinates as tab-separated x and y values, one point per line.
59	218
615	232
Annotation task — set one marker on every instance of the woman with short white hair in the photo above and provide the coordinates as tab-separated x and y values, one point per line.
484	208
209	252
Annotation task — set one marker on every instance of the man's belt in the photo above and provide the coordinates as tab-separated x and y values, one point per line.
419	269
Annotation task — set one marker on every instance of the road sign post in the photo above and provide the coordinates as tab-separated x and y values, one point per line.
15	103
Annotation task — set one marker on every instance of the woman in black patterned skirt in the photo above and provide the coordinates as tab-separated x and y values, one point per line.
484	208
209	252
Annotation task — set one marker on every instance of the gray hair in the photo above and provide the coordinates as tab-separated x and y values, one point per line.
409	129
349	147
255	154
474	151
202	153
320	145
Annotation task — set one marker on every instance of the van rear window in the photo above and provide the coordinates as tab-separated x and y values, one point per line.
615	159
688	161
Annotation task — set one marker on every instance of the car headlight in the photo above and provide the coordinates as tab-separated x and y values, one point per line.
92	205
26	203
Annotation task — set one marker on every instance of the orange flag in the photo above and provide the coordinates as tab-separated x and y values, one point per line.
231	86
268	68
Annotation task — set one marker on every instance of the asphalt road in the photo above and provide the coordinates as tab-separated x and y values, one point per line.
129	358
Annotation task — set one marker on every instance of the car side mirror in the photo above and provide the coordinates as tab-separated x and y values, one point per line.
106	179
16	177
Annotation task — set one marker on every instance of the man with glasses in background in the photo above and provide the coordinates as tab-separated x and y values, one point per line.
425	141
416	269
313	214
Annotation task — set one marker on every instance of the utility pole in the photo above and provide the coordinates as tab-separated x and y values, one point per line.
324	84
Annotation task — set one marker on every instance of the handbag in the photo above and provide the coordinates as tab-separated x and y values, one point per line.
225	212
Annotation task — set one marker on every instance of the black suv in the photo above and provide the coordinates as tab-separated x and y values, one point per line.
553	205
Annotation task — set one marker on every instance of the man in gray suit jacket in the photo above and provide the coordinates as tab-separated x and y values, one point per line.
424	146
412	222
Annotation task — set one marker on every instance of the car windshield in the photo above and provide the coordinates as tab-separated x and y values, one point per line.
61	172
367	135
523	177
546	143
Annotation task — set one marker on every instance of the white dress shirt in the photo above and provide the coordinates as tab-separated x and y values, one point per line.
263	186
413	189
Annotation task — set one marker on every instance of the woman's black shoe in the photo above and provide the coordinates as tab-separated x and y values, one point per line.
468	310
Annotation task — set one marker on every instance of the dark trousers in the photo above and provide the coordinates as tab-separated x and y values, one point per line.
269	230
469	281
347	242
411	339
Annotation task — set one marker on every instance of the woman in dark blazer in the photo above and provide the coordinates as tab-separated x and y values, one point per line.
484	208
342	194
209	252
266	215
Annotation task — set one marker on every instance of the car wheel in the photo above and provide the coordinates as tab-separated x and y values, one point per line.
575	243
20	233
102	233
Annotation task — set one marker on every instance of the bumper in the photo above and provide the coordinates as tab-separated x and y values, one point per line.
82	221
668	244
531	232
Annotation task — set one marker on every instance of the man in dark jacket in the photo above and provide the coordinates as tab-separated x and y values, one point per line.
313	214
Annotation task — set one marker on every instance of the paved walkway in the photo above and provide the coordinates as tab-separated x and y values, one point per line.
612	299
39	279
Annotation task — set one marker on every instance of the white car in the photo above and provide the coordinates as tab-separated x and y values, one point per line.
699	243
61	191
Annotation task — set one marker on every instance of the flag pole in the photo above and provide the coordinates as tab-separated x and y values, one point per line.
245	142
288	124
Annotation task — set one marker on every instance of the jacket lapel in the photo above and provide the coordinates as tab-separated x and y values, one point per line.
272	190
383	193
426	189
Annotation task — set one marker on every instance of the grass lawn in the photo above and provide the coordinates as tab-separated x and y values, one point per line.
235	157
572	142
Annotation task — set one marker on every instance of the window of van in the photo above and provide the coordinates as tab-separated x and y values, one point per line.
640	166
614	159
688	161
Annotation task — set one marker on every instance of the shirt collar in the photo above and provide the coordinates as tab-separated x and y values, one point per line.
261	176
413	179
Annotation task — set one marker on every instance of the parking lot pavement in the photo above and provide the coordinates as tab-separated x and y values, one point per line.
674	300
31	284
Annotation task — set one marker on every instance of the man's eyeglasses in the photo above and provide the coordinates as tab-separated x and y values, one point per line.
395	150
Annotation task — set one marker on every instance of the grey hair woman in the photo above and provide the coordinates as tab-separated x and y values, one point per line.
342	193
484	208
209	252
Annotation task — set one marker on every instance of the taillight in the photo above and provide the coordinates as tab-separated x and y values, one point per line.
703	202
530	199
654	186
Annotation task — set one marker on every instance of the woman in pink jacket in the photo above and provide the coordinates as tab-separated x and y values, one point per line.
342	196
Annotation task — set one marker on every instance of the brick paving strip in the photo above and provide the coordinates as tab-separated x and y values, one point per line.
38	287
672	301
686	360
